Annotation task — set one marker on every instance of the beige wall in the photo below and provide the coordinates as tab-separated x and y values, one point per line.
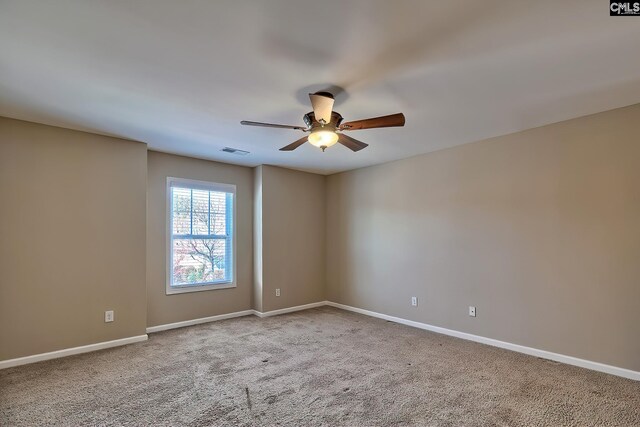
162	308
540	230
72	238
293	237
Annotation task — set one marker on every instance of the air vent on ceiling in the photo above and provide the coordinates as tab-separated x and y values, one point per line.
235	151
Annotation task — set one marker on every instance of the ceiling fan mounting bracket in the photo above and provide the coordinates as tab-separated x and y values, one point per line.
325	94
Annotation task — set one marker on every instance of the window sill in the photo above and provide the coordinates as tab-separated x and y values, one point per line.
172	290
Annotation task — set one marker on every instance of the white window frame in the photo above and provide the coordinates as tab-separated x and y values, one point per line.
207	186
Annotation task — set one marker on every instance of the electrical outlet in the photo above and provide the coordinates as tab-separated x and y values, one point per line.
108	316
278	292
414	301
472	311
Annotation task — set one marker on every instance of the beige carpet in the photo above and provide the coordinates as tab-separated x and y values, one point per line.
319	367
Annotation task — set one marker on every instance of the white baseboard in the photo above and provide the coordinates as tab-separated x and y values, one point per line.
168	326
115	343
289	309
570	360
70	351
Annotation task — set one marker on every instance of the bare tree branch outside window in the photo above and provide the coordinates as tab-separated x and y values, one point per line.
199	236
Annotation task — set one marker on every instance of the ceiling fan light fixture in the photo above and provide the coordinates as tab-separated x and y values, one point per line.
323	138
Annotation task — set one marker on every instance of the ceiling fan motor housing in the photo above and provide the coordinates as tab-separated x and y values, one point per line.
323	135
313	124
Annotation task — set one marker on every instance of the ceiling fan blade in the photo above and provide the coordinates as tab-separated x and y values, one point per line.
271	125
294	145
351	143
322	103
376	122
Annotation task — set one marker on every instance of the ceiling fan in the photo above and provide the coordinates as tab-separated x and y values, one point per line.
325	126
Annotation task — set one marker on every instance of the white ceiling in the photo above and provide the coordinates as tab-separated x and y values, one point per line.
180	75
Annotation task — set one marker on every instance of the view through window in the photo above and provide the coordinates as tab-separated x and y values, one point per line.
201	230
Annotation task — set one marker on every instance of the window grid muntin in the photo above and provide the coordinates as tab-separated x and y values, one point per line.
228	237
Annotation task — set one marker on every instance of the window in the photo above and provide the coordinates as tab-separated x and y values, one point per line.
200	235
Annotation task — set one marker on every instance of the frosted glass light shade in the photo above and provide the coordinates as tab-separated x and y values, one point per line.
323	138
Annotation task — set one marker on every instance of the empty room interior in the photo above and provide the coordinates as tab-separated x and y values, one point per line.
336	213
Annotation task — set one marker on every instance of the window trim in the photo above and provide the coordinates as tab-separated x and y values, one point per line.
207	186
